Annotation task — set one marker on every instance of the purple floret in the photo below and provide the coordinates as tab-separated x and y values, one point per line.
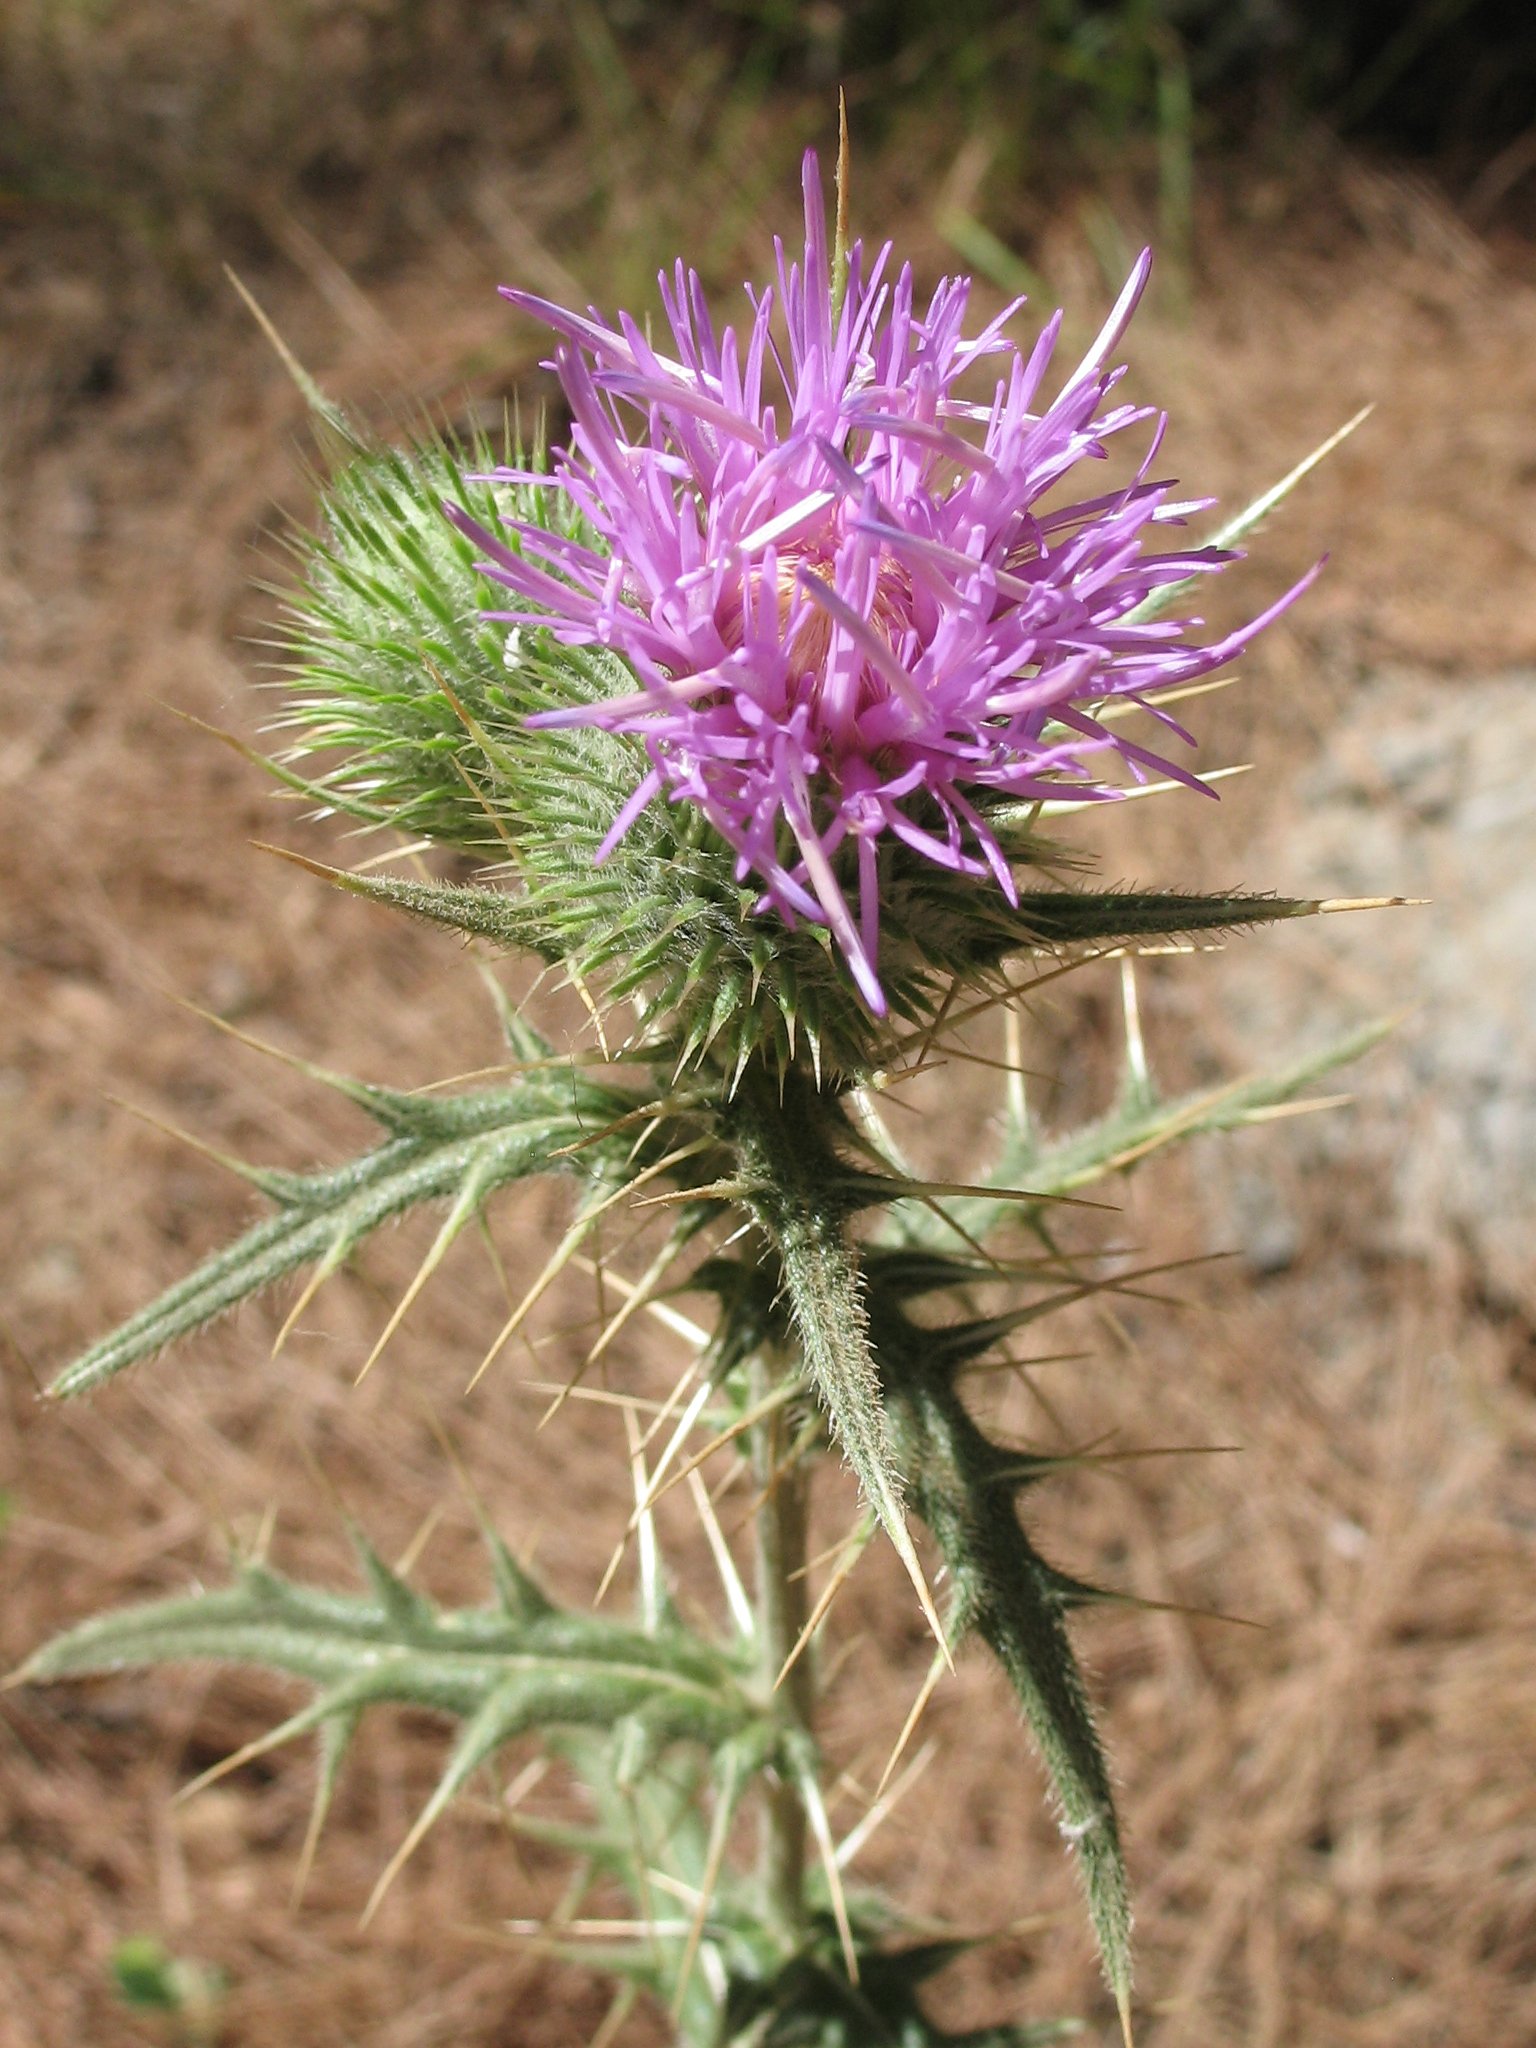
850	598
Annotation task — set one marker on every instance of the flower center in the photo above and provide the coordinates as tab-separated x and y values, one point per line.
807	647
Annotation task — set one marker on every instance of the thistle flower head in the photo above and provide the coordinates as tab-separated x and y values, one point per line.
858	597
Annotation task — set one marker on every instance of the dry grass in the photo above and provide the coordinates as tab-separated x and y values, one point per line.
1332	1821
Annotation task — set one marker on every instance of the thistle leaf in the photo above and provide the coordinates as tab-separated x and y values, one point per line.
498	1673
477	913
595	1691
1140	1124
964	1487
1119	1141
812	1998
1065	917
481	1140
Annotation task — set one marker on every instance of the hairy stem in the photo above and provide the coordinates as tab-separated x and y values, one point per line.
796	1190
781	1615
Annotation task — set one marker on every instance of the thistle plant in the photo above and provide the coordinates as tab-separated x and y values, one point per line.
760	710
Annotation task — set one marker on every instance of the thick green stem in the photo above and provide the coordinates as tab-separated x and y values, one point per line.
797	1190
781	1616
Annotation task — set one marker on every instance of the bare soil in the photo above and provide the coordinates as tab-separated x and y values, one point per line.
1332	1817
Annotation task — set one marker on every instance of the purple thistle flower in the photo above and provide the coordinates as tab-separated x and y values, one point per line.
854	603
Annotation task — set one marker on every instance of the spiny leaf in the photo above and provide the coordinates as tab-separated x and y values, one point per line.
1007	1594
1138	1125
482	1140
590	1687
498	1673
477	913
1064	917
811	1997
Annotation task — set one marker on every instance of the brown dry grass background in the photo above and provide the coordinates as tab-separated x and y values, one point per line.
1332	1820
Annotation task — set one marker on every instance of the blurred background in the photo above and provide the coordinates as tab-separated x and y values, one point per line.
1331	1818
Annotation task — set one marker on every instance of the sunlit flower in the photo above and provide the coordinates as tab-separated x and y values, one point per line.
856	601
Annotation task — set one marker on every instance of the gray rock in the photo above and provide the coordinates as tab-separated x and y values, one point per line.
1428	789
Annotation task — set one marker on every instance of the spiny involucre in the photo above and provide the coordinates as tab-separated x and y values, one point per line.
854	601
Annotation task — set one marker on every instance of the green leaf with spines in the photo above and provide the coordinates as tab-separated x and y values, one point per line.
478	1141
500	1670
809	2000
888	1388
964	1487
614	1700
1141	1122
